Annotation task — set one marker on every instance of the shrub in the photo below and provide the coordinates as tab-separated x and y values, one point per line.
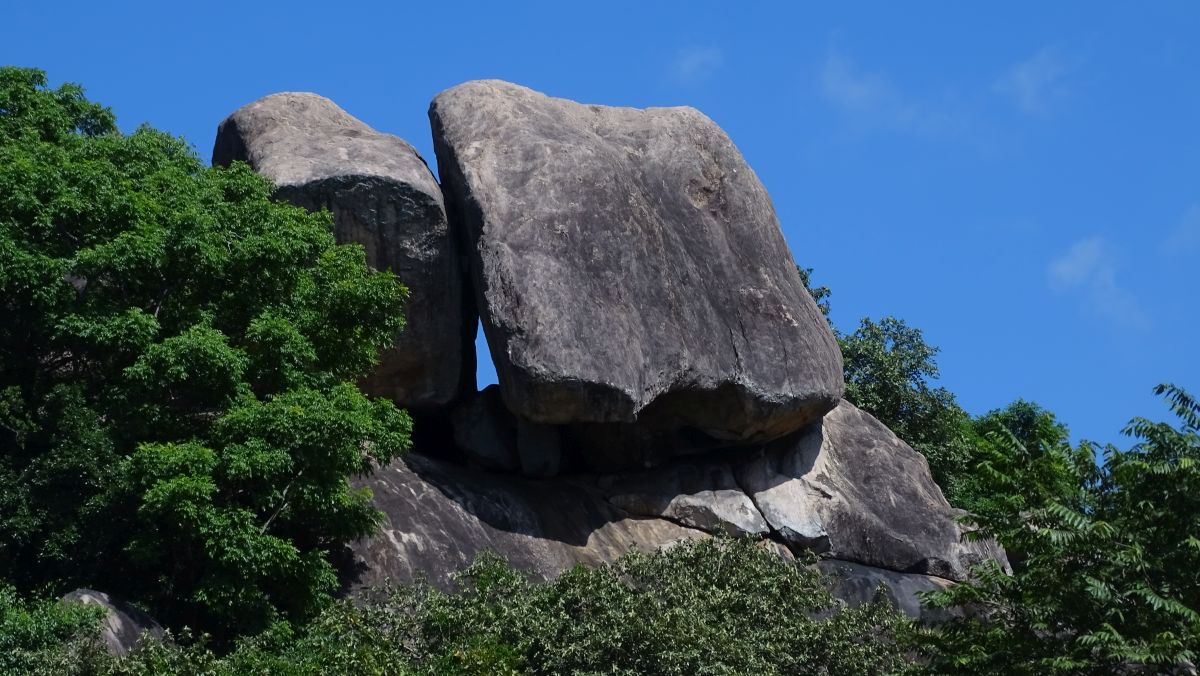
700	607
45	636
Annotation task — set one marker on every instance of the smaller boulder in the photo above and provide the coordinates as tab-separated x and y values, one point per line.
124	627
382	196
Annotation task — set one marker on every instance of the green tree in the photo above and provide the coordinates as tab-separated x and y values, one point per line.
700	607
177	413
1108	582
1021	460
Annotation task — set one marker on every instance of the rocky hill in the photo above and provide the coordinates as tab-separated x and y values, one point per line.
663	373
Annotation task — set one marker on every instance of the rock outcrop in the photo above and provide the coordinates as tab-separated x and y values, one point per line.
124	626
663	372
439	516
382	196
845	488
702	495
629	267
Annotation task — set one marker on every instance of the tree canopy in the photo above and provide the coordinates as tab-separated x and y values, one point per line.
1108	552
1104	551
178	417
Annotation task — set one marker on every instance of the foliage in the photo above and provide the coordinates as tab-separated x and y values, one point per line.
366	640
1108	582
43	635
1021	461
177	419
700	607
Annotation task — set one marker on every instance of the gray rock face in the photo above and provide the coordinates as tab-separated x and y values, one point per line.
629	266
383	196
439	517
124	626
850	489
698	495
846	488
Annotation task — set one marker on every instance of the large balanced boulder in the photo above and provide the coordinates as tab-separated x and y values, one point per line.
629	267
382	196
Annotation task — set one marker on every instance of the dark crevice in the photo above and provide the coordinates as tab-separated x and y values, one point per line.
772	533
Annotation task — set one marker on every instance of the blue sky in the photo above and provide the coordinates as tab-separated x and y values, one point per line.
1021	182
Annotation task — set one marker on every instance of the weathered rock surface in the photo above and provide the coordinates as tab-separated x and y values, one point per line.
439	517
629	266
850	489
697	495
846	488
124	626
383	196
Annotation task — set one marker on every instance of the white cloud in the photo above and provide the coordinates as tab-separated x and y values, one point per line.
1037	82
695	64
1089	271
852	90
1186	236
871	100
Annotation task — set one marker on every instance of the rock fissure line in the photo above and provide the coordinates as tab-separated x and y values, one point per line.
772	531
661	517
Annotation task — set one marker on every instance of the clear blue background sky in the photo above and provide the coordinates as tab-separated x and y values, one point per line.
1020	182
